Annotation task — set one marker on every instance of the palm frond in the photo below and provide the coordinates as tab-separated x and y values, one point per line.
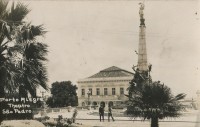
3	8
12	77
17	13
180	96
38	30
30	32
34	70
36	51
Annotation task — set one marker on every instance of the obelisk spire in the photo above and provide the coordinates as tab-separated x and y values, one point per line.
142	53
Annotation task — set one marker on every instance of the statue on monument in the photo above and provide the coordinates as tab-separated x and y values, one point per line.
141	13
141	10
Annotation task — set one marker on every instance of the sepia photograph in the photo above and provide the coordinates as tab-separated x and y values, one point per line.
99	63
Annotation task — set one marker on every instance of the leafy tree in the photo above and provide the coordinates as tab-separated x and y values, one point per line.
63	94
22	57
152	100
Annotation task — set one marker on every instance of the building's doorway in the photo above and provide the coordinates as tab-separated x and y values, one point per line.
94	103
83	104
110	103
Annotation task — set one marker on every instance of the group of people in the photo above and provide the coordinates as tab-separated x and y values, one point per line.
101	113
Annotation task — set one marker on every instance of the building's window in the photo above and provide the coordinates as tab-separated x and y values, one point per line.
90	90
82	92
98	91
113	91
105	91
121	91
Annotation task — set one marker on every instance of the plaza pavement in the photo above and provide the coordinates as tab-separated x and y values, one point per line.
97	123
90	118
189	119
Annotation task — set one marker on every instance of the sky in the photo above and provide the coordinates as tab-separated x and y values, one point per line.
87	36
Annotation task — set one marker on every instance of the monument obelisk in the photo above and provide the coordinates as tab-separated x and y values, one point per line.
142	52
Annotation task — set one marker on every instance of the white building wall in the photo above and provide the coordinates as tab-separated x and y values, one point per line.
117	84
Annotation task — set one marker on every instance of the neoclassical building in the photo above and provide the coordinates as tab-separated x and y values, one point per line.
107	87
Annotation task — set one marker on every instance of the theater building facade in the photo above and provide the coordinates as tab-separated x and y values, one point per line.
108	86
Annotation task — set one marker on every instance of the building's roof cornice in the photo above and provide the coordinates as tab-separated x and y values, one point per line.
108	79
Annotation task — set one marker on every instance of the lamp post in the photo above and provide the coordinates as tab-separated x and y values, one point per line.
43	113
89	93
43	92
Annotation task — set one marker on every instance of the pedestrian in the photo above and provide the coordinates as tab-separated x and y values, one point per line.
74	115
101	112
110	113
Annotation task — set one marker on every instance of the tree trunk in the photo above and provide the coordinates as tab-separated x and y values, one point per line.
2	95
2	82
154	121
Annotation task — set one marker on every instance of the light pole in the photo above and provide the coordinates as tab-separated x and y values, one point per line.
88	93
43	92
43	104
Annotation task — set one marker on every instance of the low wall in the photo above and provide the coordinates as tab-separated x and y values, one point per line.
51	110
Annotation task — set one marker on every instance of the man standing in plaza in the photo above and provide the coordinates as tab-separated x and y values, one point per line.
74	115
101	112
110	113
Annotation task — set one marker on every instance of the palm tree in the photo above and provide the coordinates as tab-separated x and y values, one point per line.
22	56
152	100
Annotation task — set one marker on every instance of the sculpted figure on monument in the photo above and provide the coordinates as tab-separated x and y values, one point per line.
141	10
141	13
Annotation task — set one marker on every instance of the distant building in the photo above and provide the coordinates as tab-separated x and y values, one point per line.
191	103
106	87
